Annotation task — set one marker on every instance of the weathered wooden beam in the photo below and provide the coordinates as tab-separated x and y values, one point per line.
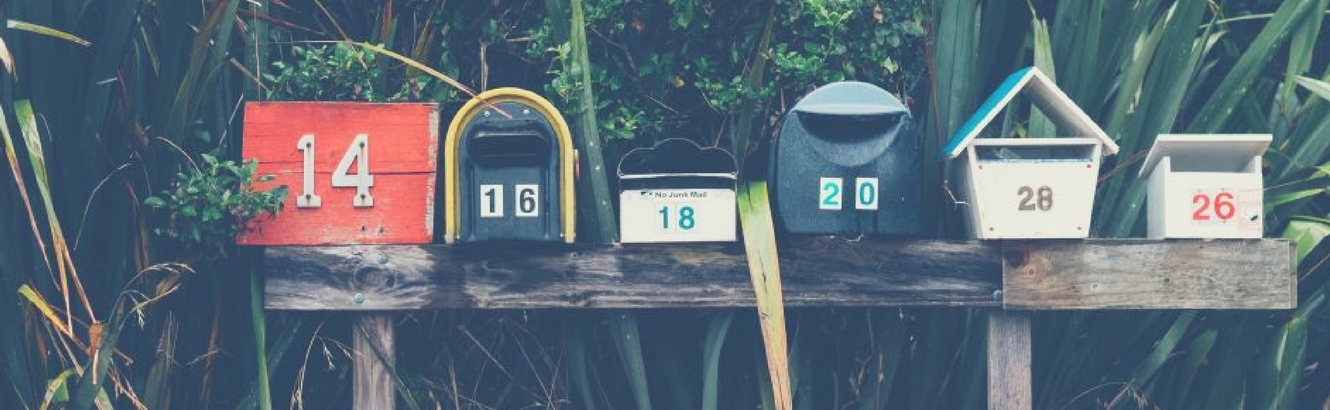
1009	385
1034	275
815	272
1149	274
372	362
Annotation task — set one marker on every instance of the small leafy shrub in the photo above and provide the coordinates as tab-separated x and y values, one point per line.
343	72
210	205
675	68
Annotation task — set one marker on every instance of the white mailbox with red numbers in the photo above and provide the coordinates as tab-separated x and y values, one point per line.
1205	186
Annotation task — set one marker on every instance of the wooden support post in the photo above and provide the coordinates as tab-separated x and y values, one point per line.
374	360
1009	362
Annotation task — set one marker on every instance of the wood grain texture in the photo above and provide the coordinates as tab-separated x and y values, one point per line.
1009	381
814	272
373	362
403	157
1073	274
1149	274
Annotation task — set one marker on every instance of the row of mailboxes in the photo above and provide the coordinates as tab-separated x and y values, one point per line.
363	173
846	161
1198	186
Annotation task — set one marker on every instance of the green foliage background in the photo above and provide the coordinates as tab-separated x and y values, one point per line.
92	130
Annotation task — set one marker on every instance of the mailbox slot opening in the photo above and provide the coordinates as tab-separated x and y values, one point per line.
1183	163
510	148
843	127
1035	149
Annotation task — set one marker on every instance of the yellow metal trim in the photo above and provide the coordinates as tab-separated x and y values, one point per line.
453	183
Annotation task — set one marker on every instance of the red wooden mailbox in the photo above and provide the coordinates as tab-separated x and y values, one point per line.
358	173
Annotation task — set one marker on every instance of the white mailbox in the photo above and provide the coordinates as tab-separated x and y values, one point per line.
1205	186
677	192
1028	187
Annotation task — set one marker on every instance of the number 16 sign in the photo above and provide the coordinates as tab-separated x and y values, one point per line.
357	173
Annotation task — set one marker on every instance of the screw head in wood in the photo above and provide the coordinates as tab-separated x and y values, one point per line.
359	298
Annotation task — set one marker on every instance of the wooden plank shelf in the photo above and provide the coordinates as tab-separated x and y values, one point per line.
816	272
1012	277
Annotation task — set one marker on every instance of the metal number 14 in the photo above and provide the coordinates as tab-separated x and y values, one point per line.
357	153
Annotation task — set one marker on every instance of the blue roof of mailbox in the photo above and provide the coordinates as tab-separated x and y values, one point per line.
1046	96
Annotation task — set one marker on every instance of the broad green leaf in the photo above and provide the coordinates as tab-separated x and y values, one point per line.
47	31
1194	358
1216	112
57	390
1318	87
46	309
764	270
1283	367
1040	126
574	340
1163	350
1306	233
1301	49
715	339
7	59
628	341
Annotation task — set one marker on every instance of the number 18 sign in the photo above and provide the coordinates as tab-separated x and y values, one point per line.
677	215
357	173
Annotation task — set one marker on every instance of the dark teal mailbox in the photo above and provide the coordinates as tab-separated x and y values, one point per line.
509	158
846	161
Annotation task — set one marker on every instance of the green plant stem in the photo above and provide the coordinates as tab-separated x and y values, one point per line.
628	340
716	331
597	221
260	334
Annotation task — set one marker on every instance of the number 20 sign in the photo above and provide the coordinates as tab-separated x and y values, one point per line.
357	173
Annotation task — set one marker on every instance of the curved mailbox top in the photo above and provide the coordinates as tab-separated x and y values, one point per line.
678	157
850	98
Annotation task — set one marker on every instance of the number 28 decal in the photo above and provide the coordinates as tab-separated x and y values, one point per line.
357	152
1030	202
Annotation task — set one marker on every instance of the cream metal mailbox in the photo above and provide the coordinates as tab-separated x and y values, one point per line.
677	192
1205	186
1028	187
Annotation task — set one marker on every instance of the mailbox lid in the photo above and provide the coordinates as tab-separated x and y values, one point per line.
1205	152
850	98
